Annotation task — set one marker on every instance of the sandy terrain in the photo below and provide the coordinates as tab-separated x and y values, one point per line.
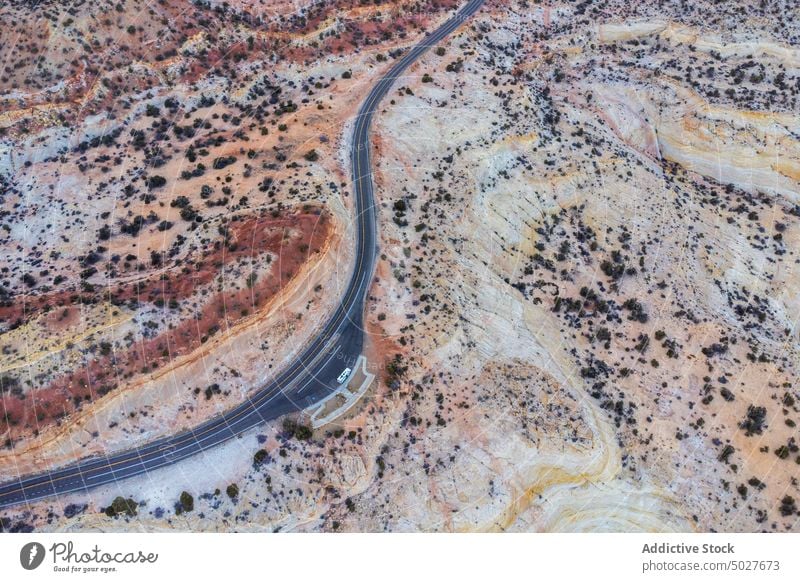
585	309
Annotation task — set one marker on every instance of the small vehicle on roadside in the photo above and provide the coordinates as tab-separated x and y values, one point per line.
344	375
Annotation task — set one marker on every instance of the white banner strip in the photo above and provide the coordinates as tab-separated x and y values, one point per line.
372	557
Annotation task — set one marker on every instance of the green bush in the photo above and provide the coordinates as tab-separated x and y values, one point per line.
156	181
259	457
120	506
187	501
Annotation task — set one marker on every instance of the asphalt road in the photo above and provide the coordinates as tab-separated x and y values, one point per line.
308	379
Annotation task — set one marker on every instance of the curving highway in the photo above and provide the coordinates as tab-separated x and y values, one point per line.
307	380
